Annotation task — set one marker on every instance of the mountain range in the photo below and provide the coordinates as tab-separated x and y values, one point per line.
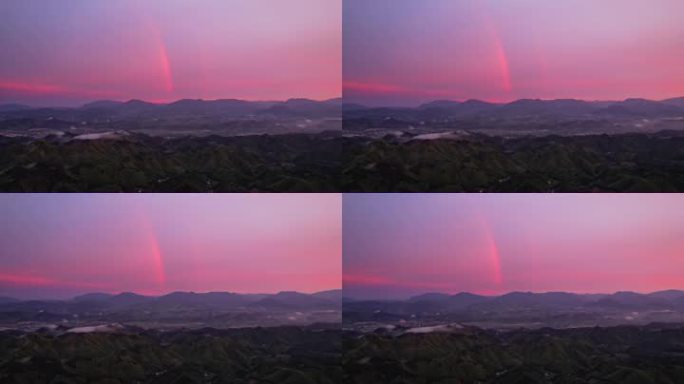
137	109
333	108
514	310
177	309
441	109
176	300
669	299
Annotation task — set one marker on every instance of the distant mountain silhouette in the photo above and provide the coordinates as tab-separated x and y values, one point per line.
176	301
295	300
631	300
334	294
671	299
523	107
126	299
677	101
135	109
642	107
670	294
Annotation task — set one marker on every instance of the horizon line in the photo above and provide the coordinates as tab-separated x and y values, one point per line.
461	101
167	102
118	293
517	291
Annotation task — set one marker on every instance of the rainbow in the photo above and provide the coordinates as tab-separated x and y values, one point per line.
153	248
499	52
492	251
165	66
163	60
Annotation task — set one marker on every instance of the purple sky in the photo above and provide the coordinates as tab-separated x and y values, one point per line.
398	245
405	52
71	51
59	245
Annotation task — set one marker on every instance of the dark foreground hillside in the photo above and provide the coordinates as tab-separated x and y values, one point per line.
624	354
258	355
474	163
136	162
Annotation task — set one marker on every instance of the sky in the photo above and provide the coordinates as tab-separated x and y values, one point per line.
61	245
400	245
64	53
407	52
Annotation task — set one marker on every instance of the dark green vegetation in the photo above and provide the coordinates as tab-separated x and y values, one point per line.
137	162
258	355
473	163
326	163
624	354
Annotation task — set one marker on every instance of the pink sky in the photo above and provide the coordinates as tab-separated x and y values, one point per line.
61	245
65	53
405	52
399	245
